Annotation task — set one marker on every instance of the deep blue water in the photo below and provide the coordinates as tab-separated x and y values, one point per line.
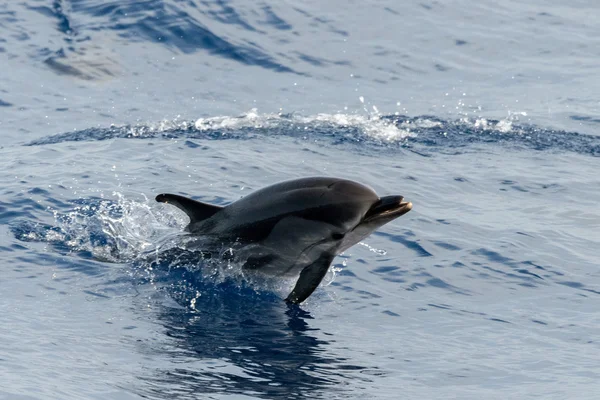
485	116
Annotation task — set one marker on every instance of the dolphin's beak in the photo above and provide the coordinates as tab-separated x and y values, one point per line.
388	207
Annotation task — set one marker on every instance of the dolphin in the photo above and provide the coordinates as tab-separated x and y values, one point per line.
293	228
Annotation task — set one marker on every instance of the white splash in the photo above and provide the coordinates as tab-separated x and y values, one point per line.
373	125
116	231
373	249
504	125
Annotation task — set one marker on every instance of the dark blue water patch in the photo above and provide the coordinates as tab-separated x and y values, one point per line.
274	20
394	279
317	20
5	103
96	294
363	294
19	207
441	284
415	286
584	118
441	68
347	272
473	312
58	57
527	285
508	274
524	269
345	288
446	246
317	62
64	23
513	185
526	272
390	273
493	256
578	285
410	244
168	24
191	144
226	14
386	269
42	262
499	320
442	306
59	64
546	269
524	234
38	191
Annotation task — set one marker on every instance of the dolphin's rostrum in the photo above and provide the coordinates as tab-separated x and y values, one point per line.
294	227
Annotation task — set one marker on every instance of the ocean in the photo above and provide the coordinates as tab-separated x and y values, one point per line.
484	115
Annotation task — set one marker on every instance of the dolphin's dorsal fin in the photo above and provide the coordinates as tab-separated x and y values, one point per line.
309	279
196	210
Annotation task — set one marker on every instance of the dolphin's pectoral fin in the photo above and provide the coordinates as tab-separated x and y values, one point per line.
310	277
196	210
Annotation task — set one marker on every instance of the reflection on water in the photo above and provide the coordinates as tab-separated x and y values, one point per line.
237	341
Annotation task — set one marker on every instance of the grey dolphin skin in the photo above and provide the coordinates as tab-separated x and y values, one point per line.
295	227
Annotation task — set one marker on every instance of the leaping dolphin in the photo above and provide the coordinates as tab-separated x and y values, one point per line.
294	227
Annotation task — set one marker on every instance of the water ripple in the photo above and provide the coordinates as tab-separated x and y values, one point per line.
421	135
178	26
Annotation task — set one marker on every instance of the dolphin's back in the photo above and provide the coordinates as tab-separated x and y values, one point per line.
328	200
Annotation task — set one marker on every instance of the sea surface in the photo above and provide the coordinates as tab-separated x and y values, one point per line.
485	115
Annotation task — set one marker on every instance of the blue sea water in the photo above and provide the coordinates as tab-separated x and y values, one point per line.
484	114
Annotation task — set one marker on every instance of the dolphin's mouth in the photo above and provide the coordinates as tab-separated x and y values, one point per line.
388	207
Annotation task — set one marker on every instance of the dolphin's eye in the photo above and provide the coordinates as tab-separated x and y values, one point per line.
337	236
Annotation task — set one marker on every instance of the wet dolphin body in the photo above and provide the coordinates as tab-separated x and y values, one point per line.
294	227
